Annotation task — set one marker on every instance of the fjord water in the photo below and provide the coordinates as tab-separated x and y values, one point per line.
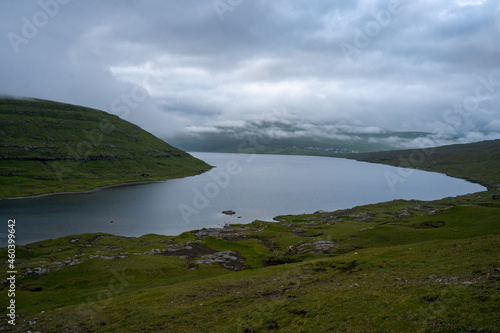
254	186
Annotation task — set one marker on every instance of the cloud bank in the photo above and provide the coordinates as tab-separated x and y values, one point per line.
172	66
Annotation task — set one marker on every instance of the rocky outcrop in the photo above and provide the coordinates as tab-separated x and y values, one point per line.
319	247
227	259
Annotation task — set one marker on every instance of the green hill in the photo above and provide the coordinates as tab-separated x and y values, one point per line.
48	147
478	162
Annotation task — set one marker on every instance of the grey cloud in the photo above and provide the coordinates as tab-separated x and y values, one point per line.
194	69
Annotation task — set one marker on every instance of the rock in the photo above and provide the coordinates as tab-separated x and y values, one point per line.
232	232
189	251
41	270
319	247
447	280
227	259
299	232
74	240
364	216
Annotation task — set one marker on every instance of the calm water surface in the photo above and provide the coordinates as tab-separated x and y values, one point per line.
254	186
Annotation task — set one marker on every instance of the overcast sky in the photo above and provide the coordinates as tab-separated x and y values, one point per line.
173	66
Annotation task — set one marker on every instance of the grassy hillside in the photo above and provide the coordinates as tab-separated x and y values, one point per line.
399	266
50	147
478	162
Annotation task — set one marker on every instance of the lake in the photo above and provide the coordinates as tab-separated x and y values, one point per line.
253	186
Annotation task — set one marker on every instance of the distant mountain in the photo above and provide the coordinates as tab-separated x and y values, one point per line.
294	138
48	147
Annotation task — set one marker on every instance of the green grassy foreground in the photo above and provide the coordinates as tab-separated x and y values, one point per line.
48	147
399	266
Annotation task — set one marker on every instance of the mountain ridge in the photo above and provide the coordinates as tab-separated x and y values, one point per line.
293	138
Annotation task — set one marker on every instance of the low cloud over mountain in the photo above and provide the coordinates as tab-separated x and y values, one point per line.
172	67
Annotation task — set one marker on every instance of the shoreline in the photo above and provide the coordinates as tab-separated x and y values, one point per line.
140	182
487	187
97	189
270	219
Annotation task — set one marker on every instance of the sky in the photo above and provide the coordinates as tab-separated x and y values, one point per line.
196	66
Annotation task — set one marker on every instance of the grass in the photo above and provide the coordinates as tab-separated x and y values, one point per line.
402	266
48	147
